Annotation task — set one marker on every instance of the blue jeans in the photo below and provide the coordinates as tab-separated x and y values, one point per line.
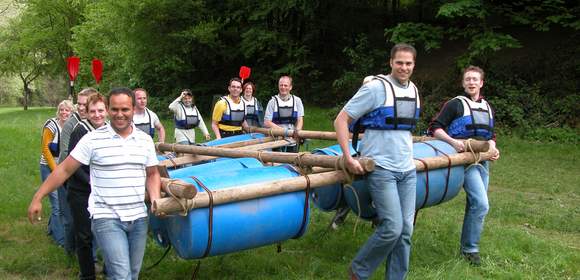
66	219
55	226
476	207
393	195
122	245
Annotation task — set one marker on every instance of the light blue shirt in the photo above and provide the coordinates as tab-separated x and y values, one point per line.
390	149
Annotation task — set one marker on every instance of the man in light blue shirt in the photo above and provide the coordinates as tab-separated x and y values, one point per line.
388	107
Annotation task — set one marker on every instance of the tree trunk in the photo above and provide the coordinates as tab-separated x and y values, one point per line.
26	94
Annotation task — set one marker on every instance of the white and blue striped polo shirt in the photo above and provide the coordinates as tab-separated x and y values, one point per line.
117	171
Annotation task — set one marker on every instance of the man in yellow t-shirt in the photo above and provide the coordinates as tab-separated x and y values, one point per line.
229	113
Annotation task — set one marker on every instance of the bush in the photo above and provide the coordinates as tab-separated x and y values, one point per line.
563	135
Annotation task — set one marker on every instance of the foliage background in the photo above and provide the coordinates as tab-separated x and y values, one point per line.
528	48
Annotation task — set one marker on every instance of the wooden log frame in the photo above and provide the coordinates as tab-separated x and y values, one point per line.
165	206
300	159
190	158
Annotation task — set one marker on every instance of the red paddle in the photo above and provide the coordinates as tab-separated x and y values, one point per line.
72	65
97	70
245	73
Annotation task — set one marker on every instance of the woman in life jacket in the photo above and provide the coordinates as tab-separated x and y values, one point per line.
48	158
254	109
186	118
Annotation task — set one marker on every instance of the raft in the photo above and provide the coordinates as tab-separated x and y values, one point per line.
357	196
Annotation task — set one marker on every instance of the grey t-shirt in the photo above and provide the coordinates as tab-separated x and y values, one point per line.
391	149
67	130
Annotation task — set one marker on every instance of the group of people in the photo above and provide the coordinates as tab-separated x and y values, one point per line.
97	193
107	166
231	113
387	108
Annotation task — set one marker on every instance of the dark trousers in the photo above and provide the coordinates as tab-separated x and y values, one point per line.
224	133
78	203
287	149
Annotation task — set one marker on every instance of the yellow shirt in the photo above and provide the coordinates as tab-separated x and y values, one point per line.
218	111
47	136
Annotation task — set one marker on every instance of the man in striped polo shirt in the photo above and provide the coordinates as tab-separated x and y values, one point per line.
122	164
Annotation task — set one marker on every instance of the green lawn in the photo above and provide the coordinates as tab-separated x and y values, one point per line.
531	232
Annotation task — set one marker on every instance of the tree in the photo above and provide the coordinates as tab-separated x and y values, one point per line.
479	22
22	55
37	41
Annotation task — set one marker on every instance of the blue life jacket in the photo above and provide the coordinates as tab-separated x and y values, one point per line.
399	112
146	127
253	111
190	121
285	112
476	121
235	114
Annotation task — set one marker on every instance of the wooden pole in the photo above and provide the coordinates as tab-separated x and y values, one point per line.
456	159
186	159
478	146
302	159
308	134
313	134
164	206
268	145
178	188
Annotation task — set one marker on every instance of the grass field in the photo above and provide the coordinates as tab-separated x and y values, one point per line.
531	232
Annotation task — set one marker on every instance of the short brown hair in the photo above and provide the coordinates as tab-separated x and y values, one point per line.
472	68
97	97
249	84
140	89
403	47
236	79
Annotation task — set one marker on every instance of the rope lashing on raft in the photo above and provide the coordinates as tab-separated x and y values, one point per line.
306	206
426	189
476	156
302	168
340	164
210	216
437	150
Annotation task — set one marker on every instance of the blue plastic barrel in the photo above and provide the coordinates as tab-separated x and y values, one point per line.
234	139
331	197
161	157
438	192
239	225
157	226
215	166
